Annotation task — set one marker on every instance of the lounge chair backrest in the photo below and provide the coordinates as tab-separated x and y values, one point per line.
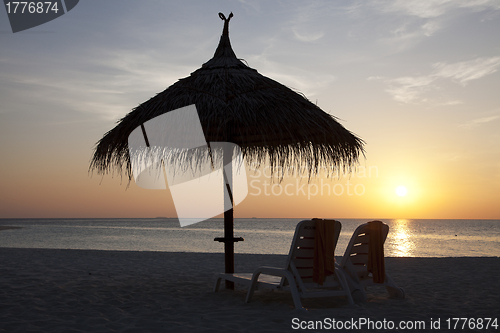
301	255
356	253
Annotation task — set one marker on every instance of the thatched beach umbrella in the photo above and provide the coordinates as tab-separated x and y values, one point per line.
269	121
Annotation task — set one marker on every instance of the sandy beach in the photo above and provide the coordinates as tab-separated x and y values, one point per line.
45	290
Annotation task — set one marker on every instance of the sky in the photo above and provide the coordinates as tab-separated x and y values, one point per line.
416	80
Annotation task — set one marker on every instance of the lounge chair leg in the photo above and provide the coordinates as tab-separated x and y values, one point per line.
217	284
395	292
343	283
295	296
393	289
359	296
255	280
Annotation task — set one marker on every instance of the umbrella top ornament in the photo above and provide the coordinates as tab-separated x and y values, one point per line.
269	121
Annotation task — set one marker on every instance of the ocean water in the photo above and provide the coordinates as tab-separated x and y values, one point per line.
407	238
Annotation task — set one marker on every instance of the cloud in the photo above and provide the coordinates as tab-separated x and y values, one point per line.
429	28
305	21
456	102
410	89
467	70
423	9
251	6
308	37
435	8
106	86
411	21
479	121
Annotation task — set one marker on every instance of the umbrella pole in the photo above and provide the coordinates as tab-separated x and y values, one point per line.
229	246
228	217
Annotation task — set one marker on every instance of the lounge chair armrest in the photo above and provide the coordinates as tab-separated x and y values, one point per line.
273	271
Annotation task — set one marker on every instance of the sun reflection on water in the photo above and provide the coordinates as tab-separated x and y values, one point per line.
402	241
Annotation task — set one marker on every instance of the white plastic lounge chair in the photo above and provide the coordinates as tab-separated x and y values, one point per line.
297	276
355	262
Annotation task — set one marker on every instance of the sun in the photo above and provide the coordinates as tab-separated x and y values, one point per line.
401	191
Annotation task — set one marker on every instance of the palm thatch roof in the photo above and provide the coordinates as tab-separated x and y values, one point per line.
269	121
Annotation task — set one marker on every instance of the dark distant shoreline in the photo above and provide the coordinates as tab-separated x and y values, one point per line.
6	227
